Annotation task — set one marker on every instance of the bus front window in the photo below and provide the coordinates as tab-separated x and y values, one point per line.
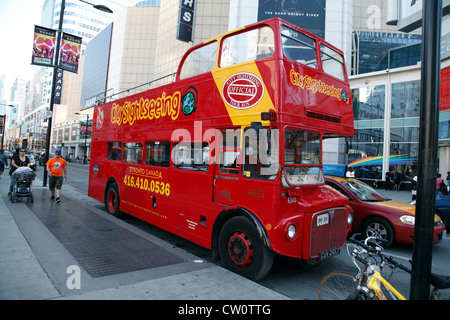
302	158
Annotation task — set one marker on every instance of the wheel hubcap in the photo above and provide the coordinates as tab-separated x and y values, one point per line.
240	249
377	230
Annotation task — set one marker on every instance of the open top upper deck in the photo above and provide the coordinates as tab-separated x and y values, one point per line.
271	67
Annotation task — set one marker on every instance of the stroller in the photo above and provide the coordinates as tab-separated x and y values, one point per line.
22	179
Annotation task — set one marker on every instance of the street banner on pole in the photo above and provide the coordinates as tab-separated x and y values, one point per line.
43	46
2	121
70	52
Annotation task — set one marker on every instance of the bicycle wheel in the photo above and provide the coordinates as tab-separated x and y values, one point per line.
337	286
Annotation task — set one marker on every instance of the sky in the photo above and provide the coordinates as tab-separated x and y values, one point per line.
17	20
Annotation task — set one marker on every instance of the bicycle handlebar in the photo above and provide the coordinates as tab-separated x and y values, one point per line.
438	281
362	244
373	249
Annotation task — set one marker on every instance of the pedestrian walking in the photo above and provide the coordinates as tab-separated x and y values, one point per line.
2	166
439	181
448	181
57	172
3	157
388	182
397	180
19	159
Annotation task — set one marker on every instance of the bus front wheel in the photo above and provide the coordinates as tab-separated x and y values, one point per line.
242	250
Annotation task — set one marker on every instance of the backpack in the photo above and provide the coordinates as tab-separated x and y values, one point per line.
443	188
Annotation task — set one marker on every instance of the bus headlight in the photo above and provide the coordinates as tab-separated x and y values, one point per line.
291	232
350	218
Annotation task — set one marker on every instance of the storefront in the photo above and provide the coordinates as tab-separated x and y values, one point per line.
386	106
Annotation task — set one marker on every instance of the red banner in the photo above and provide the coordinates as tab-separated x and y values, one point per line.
44	44
70	52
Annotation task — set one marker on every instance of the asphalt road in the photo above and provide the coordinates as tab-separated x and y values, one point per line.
291	277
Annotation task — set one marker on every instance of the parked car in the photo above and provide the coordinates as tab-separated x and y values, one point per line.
442	207
379	216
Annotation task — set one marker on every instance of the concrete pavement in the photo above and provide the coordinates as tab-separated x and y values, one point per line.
35	265
39	262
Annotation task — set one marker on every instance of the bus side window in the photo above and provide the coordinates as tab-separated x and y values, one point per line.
247	46
199	61
191	156
132	152
157	153
332	62
299	47
115	151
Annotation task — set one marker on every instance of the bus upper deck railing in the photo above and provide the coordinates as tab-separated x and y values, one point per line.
104	98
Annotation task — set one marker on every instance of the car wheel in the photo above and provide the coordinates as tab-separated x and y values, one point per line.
380	229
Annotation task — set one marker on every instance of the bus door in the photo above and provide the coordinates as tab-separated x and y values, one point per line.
226	167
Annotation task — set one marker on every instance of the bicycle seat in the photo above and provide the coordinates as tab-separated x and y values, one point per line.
440	282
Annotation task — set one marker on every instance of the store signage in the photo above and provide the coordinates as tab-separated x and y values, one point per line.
186	20
58	86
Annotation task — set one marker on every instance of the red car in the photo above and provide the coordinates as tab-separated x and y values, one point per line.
376	215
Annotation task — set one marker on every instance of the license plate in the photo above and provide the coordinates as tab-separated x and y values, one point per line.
328	253
322	219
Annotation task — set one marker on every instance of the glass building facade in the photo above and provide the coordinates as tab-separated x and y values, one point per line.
375	51
386	107
386	88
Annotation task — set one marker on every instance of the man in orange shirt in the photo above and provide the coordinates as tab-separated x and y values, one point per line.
56	168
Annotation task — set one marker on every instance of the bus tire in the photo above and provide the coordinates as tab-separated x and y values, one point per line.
112	200
242	250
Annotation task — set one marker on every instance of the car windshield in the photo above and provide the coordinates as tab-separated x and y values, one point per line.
364	192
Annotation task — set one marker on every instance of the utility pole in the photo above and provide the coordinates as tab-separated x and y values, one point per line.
428	146
52	97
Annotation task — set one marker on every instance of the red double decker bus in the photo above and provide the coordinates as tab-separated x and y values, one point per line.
229	155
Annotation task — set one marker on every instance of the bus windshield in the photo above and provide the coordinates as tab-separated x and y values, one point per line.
302	158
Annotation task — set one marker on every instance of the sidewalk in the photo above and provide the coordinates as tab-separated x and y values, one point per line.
35	265
39	262
399	195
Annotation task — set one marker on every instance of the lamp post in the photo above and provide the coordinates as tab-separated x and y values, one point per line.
85	134
55	69
4	122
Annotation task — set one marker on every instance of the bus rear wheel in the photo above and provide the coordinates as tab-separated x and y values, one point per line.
242	250
112	200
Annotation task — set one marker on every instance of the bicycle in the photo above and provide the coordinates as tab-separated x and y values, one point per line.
369	284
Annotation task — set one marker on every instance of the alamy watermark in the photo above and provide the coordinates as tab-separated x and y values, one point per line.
74	279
